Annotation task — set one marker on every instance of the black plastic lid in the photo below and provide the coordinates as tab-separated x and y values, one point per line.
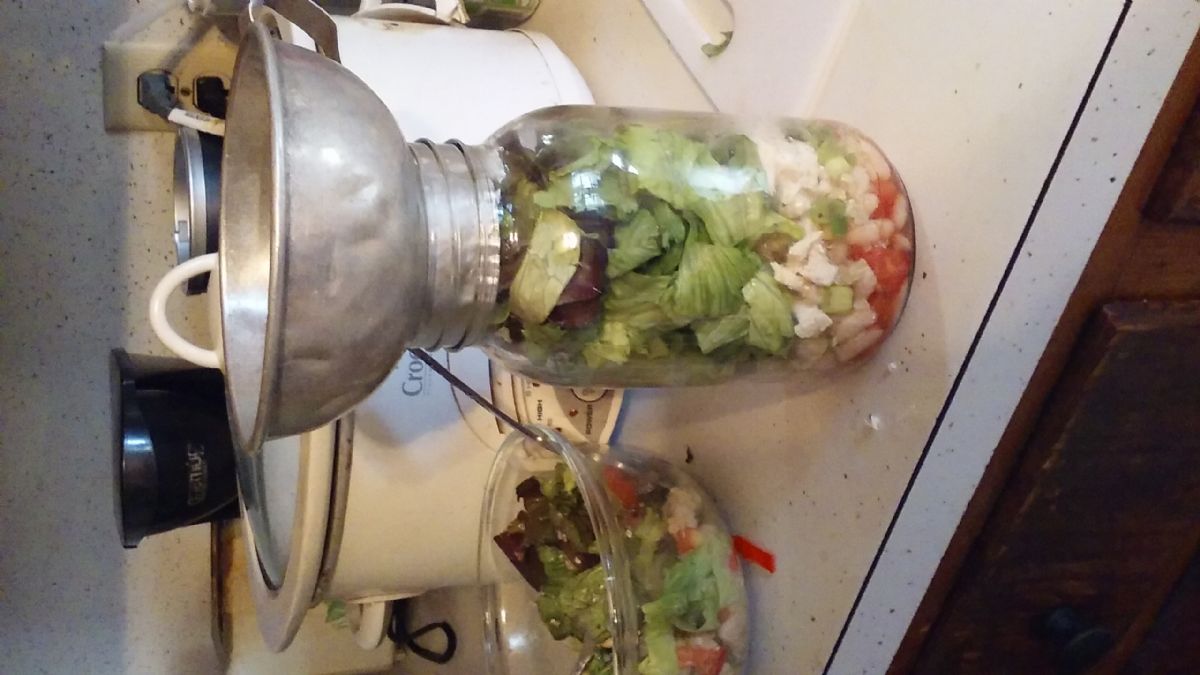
173	461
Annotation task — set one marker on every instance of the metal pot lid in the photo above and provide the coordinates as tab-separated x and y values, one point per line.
287	532
283	462
197	194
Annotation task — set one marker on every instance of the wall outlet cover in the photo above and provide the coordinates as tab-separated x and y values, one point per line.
167	38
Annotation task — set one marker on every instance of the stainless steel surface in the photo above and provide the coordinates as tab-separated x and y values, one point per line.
307	16
235	7
459	206
197	192
486	171
343	456
188	188
188	184
435	202
323	255
464	240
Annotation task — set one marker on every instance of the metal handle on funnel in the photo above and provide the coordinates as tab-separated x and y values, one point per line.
305	14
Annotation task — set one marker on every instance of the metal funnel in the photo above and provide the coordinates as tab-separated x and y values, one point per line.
322	257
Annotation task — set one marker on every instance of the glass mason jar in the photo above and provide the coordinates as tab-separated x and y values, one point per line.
598	246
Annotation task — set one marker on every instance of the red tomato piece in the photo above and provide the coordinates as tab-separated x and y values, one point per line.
622	487
884	306
754	553
887	192
701	659
890	265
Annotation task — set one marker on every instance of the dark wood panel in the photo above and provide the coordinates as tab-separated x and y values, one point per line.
1163	263
1172	646
1176	198
1104	511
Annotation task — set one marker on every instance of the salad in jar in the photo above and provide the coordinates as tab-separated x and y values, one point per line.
643	250
679	559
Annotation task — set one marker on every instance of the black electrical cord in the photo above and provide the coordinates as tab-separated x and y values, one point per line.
398	633
466	389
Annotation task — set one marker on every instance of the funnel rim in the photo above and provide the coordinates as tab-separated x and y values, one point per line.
258	46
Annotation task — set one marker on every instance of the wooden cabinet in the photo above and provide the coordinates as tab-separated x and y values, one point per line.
1171	645
1080	551
1102	516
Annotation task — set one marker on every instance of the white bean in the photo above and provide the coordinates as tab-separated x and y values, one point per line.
900	212
863	235
808	351
788	277
851	325
865	286
732	633
797	205
839	252
870	202
858	181
858	344
875	162
810	293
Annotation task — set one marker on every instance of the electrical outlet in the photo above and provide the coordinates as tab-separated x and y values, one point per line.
191	48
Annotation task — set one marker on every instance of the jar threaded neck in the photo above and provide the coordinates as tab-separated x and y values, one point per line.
460	209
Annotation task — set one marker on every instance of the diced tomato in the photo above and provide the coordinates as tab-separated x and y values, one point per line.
884	306
891	267
686	539
754	554
703	660
634	518
622	487
887	192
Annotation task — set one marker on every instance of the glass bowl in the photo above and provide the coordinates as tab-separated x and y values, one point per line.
599	560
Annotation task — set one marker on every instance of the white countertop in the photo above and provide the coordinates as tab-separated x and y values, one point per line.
974	117
1134	52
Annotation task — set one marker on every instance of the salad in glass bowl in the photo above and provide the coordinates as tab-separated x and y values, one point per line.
604	561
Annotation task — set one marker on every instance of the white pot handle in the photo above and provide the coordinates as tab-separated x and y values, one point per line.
372	624
205	358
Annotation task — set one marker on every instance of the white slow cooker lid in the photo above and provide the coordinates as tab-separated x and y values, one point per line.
281	461
300	542
297	485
